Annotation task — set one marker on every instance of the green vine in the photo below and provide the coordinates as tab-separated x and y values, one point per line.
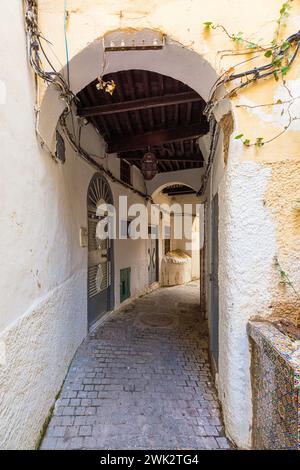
284	277
281	54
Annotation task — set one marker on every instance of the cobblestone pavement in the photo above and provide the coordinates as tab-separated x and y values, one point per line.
142	381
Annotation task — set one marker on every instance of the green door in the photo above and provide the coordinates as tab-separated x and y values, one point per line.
125	284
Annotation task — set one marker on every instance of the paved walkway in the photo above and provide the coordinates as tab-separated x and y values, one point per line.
142	381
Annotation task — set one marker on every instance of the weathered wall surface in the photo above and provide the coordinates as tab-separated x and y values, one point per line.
282	200
257	216
247	247
41	271
38	350
43	274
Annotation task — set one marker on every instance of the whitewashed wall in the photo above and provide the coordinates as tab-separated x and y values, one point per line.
43	269
43	276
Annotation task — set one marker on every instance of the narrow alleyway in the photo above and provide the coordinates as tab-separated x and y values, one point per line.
142	381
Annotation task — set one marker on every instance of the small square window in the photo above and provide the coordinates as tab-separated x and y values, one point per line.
125	225
125	171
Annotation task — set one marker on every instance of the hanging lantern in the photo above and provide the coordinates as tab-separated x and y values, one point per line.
149	165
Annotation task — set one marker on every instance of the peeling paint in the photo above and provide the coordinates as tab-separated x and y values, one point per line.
227	127
282	198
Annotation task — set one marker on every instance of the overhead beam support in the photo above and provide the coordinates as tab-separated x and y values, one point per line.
158	137
197	158
135	105
179	192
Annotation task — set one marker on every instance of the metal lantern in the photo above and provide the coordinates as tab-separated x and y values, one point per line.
149	165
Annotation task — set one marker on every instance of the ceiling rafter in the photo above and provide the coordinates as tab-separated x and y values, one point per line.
139	104
158	137
148	110
188	158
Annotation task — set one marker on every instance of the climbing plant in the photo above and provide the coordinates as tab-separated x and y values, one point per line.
279	56
284	277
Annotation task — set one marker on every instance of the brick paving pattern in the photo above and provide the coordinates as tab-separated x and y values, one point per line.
142	381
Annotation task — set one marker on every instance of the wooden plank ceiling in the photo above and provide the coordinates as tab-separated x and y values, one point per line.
148	110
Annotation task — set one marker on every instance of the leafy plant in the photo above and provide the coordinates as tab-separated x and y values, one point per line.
281	55
284	277
259	142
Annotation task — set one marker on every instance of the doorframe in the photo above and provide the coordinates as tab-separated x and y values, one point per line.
214	284
156	252
111	288
202	260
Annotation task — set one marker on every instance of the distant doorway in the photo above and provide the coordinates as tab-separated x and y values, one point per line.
214	300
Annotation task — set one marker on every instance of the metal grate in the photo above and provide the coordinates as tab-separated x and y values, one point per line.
99	278
99	270
92	235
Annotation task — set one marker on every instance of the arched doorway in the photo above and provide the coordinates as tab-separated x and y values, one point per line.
100	253
180	214
187	66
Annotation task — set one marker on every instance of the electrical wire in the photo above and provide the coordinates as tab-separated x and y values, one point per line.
66	40
254	74
212	152
35	50
66	15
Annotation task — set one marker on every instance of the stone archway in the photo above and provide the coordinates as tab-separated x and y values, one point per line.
189	67
189	178
172	60
180	214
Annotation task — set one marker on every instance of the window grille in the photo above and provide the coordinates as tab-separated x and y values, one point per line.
125	172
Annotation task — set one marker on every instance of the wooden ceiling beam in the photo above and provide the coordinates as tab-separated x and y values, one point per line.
148	94
143	103
158	137
133	91
189	158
